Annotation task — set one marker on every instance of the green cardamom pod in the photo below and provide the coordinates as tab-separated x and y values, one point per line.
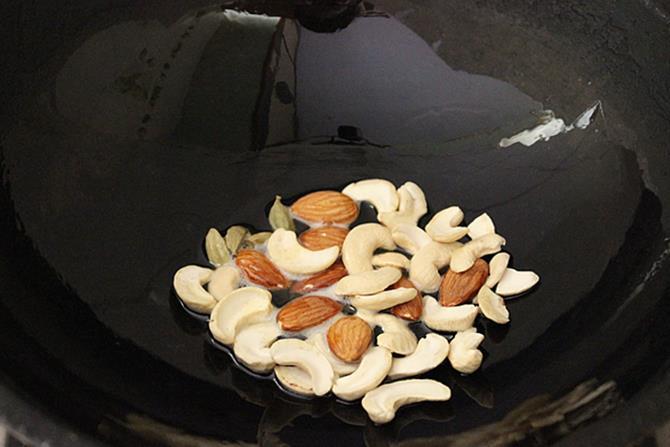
215	246
234	237
280	217
259	238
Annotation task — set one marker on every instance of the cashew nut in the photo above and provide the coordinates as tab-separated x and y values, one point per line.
293	352
380	193
463	353
492	306
464	257
369	374
287	253
384	300
412	205
410	237
448	319
188	283
497	267
430	353
514	282
223	281
443	227
426	263
361	243
391	259
341	368
396	336
382	403
481	226
252	346
368	282
239	308
295	379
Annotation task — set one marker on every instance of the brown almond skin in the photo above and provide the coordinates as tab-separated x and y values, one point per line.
459	288
321	280
307	311
412	309
323	237
327	207
349	338
258	269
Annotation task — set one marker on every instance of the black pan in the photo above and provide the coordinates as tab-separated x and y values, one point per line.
130	130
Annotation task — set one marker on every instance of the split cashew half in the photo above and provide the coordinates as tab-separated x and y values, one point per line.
287	253
360	244
380	193
396	336
443	227
188	284
340	367
514	282
382	403
295	379
412	205
410	237
366	283
425	265
481	226
464	257
492	306
497	267
239	308
463	353
223	281
384	300
391	259
374	366
293	352
252	346
448	319
430	353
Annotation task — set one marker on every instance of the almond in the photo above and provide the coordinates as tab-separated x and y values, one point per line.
458	288
321	280
349	338
307	311
411	310
326	207
323	237
259	270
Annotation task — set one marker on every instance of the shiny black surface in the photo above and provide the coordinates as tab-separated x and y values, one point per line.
144	129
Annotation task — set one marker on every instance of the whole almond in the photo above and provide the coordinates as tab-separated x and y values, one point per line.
307	311
326	207
412	309
459	288
321	280
349	338
259	270
323	237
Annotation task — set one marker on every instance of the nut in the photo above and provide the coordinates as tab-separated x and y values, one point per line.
368	282
464	257
382	403
258	269
326	207
443	227
448	319
349	338
369	374
252	346
321	280
412	205
430	353
384	300
285	251
240	308
323	237
293	352
295	380
307	311
380	193
412	309
361	243
481	226
497	267
188	284
463	353
396	336
391	259
340	367
410	237
492	306
459	288
223	281
425	265
514	282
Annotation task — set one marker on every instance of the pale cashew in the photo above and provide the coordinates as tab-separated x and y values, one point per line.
443	227
514	282
481	226
425	265
239	308
360	245
293	352
188	284
412	206
391	259
383	300
430	353
397	337
223	281
497	267
410	237
382	403
340	367
463	353
464	257
369	374
492	306
368	282
287	253
380	193
295	379
252	346
448	319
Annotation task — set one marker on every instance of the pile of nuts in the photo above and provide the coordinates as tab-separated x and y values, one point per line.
347	281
